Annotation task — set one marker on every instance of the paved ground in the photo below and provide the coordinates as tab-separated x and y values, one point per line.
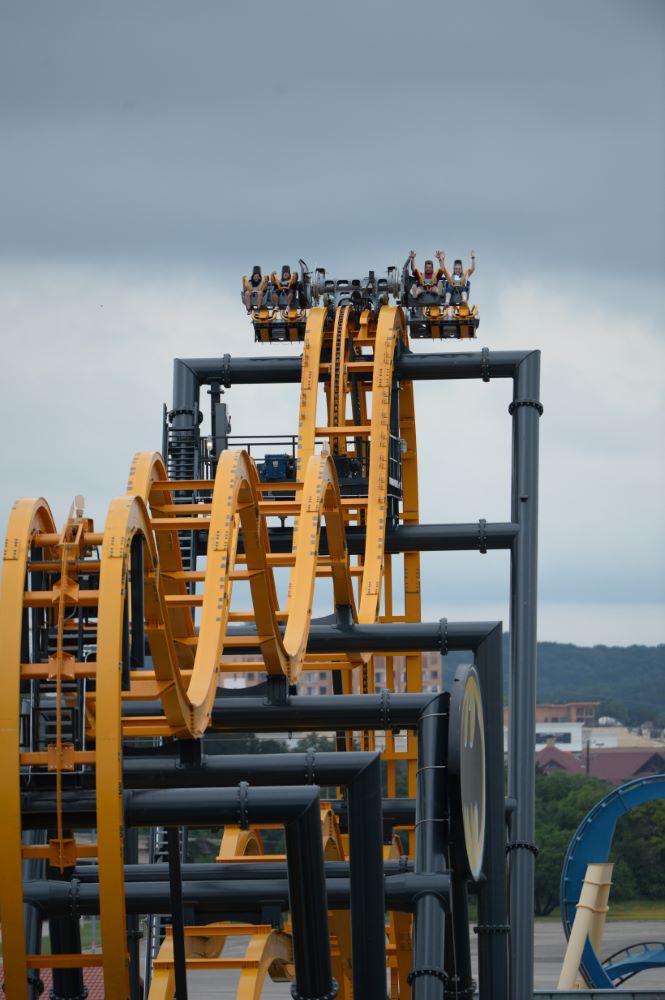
550	945
549	950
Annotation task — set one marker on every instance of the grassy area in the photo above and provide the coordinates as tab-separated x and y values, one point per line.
632	909
637	909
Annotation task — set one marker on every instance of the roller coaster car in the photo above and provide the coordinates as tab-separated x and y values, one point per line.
428	317
283	322
274	325
441	322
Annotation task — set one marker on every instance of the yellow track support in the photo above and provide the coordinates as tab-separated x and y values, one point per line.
268	952
26	519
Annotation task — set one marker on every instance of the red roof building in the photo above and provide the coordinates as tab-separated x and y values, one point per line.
551	760
616	765
610	764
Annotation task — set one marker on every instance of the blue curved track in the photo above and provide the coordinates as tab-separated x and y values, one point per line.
591	845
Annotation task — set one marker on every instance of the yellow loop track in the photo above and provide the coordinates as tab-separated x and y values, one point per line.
187	614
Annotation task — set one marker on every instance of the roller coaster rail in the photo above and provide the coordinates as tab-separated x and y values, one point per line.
109	696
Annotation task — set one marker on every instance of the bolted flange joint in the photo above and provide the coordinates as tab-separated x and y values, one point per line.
297	995
434	973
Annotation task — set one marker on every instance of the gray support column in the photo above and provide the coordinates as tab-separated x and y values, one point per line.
526	411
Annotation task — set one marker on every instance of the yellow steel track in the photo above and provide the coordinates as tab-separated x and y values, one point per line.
187	627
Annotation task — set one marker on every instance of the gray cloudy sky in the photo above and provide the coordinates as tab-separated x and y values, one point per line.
153	151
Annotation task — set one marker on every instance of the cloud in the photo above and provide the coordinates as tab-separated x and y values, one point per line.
88	368
152	153
147	131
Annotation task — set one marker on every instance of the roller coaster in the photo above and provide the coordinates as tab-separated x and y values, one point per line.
116	641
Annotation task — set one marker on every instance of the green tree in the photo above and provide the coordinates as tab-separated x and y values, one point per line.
639	841
562	801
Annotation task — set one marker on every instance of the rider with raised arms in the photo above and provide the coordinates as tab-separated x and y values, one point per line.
428	281
458	281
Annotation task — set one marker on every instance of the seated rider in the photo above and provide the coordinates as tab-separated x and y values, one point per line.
253	289
284	287
458	281
428	281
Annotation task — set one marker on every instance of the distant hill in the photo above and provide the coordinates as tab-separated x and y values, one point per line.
629	681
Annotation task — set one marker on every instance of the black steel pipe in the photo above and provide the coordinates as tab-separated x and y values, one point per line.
79	809
325	713
216	770
190	373
131	842
368	929
443	537
196	871
386	637
429	919
222	897
177	913
389	637
65	934
33	868
304	713
474	535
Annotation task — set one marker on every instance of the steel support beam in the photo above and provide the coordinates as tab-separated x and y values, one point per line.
480	536
222	898
197	871
189	374
33	868
526	410
177	913
430	913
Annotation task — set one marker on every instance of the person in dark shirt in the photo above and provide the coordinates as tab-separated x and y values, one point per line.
284	287
253	289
